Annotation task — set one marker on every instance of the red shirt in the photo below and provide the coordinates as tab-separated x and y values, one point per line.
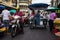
19	13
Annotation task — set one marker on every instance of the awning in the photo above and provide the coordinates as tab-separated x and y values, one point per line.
52	8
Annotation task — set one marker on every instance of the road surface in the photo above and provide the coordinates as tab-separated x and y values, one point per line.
35	34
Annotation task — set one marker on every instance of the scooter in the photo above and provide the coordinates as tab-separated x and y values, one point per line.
15	26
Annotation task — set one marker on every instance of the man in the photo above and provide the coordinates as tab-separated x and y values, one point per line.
19	13
51	20
37	16
5	14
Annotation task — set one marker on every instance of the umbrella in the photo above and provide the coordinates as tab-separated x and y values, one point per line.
12	11
38	5
52	8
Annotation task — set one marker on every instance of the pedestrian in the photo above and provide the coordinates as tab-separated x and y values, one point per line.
19	13
41	14
45	18
37	16
32	16
51	20
33	13
5	15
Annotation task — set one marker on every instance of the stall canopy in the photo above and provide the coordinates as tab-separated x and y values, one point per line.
38	5
52	8
2	7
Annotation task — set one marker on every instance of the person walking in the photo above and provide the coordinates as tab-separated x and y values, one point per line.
5	15
51	20
32	16
45	18
19	13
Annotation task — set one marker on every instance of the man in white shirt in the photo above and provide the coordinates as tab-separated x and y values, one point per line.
5	14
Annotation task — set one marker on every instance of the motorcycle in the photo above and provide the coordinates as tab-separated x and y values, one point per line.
15	26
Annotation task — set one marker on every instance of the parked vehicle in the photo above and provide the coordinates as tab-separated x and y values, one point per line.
15	26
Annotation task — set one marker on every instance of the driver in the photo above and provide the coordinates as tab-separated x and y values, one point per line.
19	13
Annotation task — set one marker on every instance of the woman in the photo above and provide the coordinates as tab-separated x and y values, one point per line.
45	17
52	17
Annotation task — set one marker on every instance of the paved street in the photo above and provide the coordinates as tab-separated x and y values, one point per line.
35	34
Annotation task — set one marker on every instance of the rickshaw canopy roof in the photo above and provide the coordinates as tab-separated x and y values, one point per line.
38	5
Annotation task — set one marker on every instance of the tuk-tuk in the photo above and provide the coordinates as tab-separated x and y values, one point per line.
37	7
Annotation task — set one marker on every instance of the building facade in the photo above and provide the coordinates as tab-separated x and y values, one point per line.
54	2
